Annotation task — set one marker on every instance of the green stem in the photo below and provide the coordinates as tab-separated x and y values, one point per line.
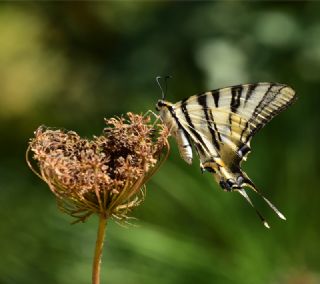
98	249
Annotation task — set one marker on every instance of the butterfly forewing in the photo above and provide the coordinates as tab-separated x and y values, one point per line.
229	117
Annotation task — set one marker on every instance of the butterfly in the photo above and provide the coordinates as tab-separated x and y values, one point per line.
220	124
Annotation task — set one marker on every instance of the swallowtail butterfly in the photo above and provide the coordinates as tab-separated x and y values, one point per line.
220	125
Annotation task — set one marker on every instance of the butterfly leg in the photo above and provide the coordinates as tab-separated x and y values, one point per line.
157	117
151	112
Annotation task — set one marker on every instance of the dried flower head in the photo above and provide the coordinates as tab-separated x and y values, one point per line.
105	175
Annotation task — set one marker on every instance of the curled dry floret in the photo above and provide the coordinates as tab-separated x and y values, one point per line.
104	175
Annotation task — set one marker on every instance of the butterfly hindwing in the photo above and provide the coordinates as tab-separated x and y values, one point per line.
228	118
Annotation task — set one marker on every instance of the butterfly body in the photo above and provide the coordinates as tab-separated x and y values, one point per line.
219	124
223	167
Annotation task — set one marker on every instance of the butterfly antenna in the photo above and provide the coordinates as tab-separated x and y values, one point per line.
245	195
158	78
250	184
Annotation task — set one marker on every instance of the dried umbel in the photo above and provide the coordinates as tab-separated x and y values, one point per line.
105	175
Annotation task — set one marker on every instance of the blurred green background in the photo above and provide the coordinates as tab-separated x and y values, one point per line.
69	65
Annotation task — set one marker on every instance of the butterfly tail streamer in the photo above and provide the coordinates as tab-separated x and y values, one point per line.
251	185
245	195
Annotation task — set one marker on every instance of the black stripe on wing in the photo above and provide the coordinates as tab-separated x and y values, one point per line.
202	100
200	144
257	120
216	95
236	92
251	88
180	126
252	119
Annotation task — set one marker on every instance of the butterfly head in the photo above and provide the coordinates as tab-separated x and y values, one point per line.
166	111
160	104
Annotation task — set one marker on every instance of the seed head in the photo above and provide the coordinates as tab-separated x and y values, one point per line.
105	175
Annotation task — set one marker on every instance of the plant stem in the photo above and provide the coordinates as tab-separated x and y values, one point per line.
98	249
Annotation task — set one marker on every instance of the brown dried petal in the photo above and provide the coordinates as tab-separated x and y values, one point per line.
103	175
